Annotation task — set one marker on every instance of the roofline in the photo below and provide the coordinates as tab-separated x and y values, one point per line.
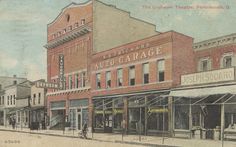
69	6
12	77
171	31
114	6
214	38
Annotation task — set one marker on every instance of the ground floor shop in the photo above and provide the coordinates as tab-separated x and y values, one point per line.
140	113
37	118
70	114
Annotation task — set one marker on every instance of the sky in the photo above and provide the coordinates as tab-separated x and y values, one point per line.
23	26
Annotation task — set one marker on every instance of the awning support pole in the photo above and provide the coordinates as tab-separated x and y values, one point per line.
222	123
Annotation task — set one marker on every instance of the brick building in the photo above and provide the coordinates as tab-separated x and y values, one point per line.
133	81
132	77
75	35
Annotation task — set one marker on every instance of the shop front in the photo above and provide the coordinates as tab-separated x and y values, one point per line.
78	113
37	118
204	115
58	115
134	114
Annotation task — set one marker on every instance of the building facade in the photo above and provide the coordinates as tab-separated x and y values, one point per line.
38	103
135	79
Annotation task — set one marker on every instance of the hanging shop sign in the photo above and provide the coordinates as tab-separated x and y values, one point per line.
208	77
118	111
98	111
157	110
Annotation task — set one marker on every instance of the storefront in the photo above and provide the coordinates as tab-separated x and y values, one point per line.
58	115
37	118
206	113
140	113
78	113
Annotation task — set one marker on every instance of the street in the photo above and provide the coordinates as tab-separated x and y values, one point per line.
16	139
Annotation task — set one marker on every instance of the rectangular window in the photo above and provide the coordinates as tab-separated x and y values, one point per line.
34	99
119	77
8	100
77	81
82	21
83	79
14	99
11	100
227	61
132	75
145	73
108	79
39	98
98	81
161	70
204	64
0	100
64	85
3	100
70	82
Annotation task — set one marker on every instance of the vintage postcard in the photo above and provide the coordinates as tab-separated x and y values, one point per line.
119	73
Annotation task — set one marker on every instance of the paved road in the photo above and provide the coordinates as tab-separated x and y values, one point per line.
15	139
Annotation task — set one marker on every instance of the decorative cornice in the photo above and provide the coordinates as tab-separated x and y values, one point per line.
68	37
215	42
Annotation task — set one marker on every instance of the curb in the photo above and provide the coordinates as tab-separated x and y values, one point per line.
98	140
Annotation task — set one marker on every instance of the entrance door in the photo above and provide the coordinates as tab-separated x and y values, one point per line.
108	123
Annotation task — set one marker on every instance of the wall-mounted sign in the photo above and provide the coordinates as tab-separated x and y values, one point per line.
61	71
118	111
98	111
47	85
208	77
126	58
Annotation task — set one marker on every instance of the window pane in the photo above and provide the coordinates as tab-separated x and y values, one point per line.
145	73
227	61
132	75
161	65
98	80
119	77
108	79
161	70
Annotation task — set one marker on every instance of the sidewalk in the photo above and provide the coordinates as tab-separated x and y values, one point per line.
130	139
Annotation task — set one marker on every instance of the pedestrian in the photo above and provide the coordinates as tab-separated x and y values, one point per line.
13	122
84	130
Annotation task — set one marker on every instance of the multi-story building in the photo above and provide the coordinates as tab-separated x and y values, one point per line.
130	77
4	82
79	31
38	106
205	100
16	98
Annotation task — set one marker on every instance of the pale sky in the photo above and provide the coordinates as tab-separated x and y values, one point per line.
23	26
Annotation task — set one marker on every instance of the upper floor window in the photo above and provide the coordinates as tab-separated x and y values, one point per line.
11	100
3	100
76	25
132	75
0	87
76	80
227	61
82	21
108	79
39	98
0	100
8	100
83	79
34	97
98	80
204	64
120	77
70	82
14	82
161	70
59	34
14	101
64	31
145	73
70	28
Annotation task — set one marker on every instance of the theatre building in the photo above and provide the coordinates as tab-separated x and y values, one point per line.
68	51
204	103
131	83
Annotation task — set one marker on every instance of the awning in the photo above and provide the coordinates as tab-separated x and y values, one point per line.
197	92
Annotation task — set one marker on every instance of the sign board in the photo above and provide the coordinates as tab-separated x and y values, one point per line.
61	71
208	77
47	85
157	110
